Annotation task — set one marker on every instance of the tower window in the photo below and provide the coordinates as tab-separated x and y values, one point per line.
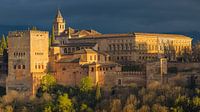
92	69
63	69
119	82
15	66
94	57
19	66
90	57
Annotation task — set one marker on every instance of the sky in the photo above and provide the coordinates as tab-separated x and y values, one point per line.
106	16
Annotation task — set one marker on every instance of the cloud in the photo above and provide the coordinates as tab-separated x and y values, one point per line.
106	15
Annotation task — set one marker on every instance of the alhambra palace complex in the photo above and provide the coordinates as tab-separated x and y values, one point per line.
109	59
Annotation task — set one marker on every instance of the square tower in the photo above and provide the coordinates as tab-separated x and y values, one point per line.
27	60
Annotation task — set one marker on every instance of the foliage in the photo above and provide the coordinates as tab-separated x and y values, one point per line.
47	82
3	44
98	92
64	104
52	36
154	98
86	84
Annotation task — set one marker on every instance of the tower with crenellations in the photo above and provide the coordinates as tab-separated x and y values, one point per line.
27	60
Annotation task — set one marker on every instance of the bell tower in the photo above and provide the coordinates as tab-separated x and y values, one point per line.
58	24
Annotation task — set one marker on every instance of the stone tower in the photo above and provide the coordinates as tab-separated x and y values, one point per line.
27	60
59	24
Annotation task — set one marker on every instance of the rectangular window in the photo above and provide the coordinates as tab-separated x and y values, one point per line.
92	69
90	57
94	57
19	66
15	66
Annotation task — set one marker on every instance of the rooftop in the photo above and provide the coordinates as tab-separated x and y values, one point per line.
133	35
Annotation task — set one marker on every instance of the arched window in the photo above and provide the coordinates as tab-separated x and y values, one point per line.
119	82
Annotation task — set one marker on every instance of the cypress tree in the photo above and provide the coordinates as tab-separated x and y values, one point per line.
98	92
3	44
49	42
52	36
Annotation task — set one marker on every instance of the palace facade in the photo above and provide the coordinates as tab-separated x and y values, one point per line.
109	59
132	47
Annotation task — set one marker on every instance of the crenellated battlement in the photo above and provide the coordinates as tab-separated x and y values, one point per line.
13	34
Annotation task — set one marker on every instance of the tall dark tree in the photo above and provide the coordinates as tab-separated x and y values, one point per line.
52	36
98	92
3	44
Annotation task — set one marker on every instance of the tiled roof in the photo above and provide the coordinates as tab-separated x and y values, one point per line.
78	44
133	35
64	60
162	35
82	51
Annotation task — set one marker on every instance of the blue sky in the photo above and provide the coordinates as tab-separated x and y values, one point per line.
107	16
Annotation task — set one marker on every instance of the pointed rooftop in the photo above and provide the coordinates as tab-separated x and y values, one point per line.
59	15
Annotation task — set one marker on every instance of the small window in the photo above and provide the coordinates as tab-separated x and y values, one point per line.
35	66
119	82
92	69
90	57
15	66
63	69
38	66
19	66
23	66
98	57
94	57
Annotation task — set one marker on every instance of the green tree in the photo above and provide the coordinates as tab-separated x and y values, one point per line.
3	44
52	36
49	42
85	108
86	84
98	92
48	81
64	104
48	107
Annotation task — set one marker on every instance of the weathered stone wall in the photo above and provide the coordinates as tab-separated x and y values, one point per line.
70	73
125	79
27	55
